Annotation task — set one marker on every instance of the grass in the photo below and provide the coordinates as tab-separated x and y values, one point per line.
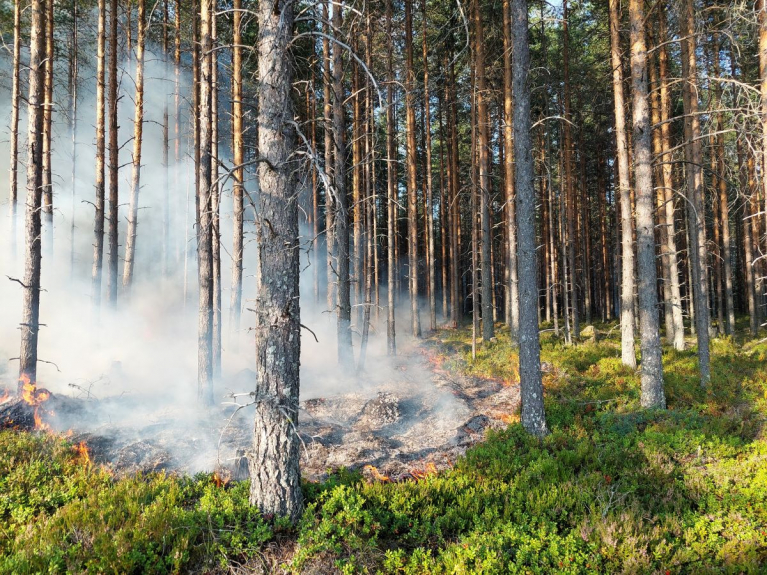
612	489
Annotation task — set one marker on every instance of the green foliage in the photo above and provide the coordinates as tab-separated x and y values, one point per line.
613	488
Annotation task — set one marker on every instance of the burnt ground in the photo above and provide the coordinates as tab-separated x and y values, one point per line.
414	417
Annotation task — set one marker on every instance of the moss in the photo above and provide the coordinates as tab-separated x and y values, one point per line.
613	488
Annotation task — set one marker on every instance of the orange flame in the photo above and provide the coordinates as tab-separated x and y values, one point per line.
82	451
5	396
377	475
34	397
221	479
420	474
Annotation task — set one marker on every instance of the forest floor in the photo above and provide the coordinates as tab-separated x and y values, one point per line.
613	488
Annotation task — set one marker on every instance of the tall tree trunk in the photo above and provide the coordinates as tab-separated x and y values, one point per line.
238	155
653	395
454	198
215	196
427	169
412	168
724	208
508	135
696	221
391	190
667	186
73	79
533	415
628	355
357	207
746	222
165	148
114	160
98	226
138	132
344	331
48	125
762	6
330	206
177	123
13	193
30	317
275	486
483	142
571	209
205	359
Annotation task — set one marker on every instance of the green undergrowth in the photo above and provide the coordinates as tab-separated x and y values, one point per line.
612	489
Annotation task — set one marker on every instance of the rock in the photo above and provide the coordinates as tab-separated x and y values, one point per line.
590	332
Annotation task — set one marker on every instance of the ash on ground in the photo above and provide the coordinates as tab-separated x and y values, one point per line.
393	424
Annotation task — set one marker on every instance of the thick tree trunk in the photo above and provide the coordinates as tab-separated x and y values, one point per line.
205	360
391	190
533	415
483	142
427	169
667	185
30	318
73	79
138	134
628	355
13	189
724	207
165	149
508	135
215	197
330	207
114	161
238	156
48	126
653	395
571	209
275	479
344	331
412	168
696	220
98	226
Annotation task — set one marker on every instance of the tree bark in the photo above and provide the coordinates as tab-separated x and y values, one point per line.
653	395
427	169
695	206
48	125
114	161
344	332
138	133
13	193
667	185
98	226
571	210
238	156
205	360
330	207
483	141
508	135
628	355
275	486
30	318
412	168
533	414
391	190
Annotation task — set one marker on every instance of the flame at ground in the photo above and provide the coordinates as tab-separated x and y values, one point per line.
221	478
82	451
419	474
377	475
34	397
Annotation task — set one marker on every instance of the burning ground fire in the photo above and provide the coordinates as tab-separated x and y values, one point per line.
35	397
